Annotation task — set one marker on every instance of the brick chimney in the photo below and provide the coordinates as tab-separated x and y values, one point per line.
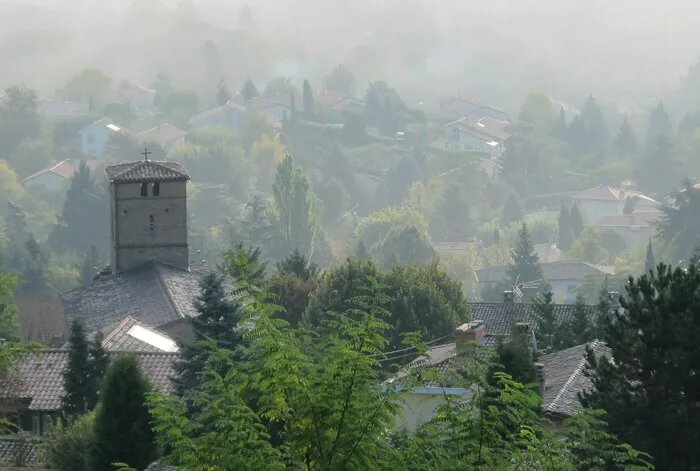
470	332
539	369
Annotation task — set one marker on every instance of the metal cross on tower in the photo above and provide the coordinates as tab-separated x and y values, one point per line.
145	154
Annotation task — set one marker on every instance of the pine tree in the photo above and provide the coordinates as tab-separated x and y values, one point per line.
650	262
515	357
644	383
526	264
511	209
659	123
388	118
218	322
245	263
98	365
75	377
596	128
249	90
657	170
576	221
35	282
89	266
559	130
580	326
547	326
123	432
452	219
308	98
626	139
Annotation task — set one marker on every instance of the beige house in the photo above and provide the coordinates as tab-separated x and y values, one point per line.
636	228
168	136
597	203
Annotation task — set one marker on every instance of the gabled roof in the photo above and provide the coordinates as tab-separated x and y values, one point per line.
153	293
642	218
146	170
456	97
64	169
62	108
162	133
229	106
492	133
564	378
556	270
131	335
607	193
499	318
336	101
38	379
107	123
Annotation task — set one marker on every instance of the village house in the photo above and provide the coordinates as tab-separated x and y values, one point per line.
635	229
31	396
141	99
94	137
54	176
495	321
231	116
566	278
456	107
596	203
166	135
483	135
338	101
61	111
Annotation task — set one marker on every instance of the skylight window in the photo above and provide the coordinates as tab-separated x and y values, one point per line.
113	127
152	338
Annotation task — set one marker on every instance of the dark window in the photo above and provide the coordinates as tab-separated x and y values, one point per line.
156	189
144	189
151	222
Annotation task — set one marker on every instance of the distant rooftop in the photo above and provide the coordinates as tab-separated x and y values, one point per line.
146	170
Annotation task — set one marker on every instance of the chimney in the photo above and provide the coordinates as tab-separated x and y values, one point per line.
470	332
509	297
524	329
539	370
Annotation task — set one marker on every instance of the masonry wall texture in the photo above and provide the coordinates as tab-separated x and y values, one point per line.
146	228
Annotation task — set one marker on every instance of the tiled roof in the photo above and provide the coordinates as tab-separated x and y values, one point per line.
162	133
21	451
558	270
61	108
499	318
642	218
153	293
146	170
564	378
130	335
607	193
107	123
39	378
548	253
65	168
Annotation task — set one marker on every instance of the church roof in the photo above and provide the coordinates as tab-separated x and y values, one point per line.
146	170
153	293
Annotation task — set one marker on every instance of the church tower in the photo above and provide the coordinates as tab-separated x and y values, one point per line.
148	206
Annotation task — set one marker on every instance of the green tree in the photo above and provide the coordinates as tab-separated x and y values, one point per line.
565	233
657	169
218	322
243	262
679	225
87	365
652	402
31	155
123	431
35	282
292	284
249	90
659	123
293	113
576	221
551	334
400	179
626	139
514	356
294	205
649	262
362	253
20	122
279	86
526	264
179	105
559	130
223	94
511	209
92	84
373	106
596	127
452	219
10	329
68	443
404	245
83	217
308	99
580	325
340	80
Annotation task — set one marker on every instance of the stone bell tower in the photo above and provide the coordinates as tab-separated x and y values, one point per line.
148	206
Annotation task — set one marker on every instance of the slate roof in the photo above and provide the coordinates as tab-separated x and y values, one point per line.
19	450
39	378
122	338
153	293
564	378
499	318
149	170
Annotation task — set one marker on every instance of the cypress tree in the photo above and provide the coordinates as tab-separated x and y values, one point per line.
293	114
576	221
75	378
223	94
564	227
580	326
308	98
249	90
98	364
626	139
123	432
89	265
650	262
547	326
